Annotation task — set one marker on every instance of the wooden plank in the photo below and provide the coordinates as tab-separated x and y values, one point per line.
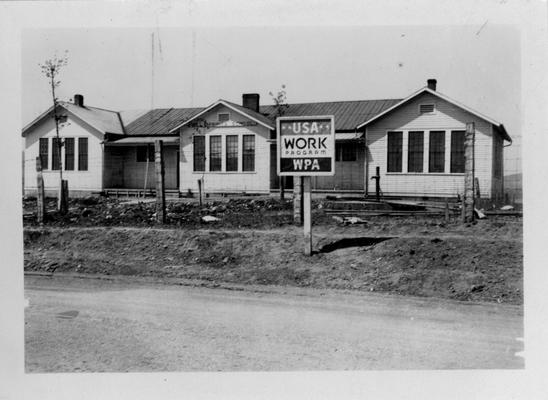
307	216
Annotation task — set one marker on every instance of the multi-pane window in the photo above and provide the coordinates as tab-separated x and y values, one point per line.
436	159
215	154
232	153
44	145
199	153
345	152
248	158
82	154
56	153
395	151
457	151
69	154
145	153
415	150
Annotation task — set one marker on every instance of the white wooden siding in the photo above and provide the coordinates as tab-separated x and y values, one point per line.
90	180
446	117
257	181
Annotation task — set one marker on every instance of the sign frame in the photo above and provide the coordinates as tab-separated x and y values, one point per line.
314	118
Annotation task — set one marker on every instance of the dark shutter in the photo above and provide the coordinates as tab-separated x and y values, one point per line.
82	154
199	153
44	153
457	151
56	154
436	161
69	154
415	151
395	140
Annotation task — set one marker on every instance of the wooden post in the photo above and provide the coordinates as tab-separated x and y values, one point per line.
160	190
200	191
297	200
64	197
446	210
469	194
282	187
307	220
41	205
378	184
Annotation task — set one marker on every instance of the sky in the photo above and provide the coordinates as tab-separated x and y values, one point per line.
132	68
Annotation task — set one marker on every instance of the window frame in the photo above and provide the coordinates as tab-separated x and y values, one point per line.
216	160
435	156
253	152
453	164
415	152
232	153
397	152
56	153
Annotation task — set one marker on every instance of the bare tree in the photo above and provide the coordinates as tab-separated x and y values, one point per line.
51	69
280	101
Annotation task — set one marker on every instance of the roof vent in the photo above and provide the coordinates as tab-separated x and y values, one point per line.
79	100
431	83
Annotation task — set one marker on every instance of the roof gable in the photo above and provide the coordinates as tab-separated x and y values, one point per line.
435	93
104	121
253	115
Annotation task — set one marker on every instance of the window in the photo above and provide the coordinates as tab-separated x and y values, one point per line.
69	154
232	153
437	151
426	108
82	154
44	144
415	150
199	153
248	161
457	151
345	152
223	117
215	153
145	153
394	151
56	154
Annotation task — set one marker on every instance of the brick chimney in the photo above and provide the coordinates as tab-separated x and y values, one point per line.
251	101
79	100
431	83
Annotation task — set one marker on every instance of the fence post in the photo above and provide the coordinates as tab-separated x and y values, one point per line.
64	196
160	189
446	210
41	205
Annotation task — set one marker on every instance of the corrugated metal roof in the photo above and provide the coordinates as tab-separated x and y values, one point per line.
348	114
103	120
160	121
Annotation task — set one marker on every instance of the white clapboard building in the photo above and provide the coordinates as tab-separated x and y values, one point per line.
416	142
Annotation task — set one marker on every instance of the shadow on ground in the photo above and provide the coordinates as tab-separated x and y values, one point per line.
352	242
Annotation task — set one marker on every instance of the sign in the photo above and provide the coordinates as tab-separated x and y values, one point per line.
306	146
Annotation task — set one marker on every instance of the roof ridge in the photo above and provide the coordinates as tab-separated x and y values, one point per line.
330	102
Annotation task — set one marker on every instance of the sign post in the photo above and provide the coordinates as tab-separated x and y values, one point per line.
306	148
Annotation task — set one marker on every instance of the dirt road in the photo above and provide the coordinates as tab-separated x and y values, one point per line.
74	325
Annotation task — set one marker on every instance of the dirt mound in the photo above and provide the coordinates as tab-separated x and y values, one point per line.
456	267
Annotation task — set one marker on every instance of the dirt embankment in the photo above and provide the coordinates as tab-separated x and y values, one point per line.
422	257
